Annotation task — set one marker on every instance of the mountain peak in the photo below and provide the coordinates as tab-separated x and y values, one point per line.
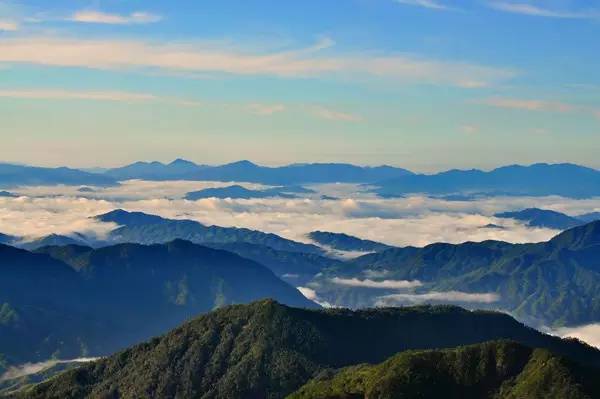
123	217
182	162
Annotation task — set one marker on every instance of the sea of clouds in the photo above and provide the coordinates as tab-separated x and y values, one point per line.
415	220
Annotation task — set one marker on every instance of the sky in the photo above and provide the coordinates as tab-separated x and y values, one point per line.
422	84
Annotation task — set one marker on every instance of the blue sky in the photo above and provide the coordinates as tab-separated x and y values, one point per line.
422	84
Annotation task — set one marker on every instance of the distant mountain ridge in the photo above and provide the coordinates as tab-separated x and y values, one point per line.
567	180
239	192
267	350
247	171
535	217
139	227
18	175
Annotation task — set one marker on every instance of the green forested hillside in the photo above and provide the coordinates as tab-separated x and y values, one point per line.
267	350
491	370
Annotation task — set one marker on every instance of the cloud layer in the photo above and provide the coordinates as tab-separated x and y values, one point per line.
384	284
437	296
197	58
414	220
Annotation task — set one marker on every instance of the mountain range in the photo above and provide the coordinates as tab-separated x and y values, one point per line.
535	217
75	301
19	175
247	171
143	228
541	179
267	350
239	192
551	283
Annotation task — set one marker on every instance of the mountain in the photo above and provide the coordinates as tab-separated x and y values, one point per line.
73	301
247	171
589	217
552	283
54	240
491	370
17	175
267	350
7	194
142	228
239	192
542	179
344	242
293	267
535	217
6	239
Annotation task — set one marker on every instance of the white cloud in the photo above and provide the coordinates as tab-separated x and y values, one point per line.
33	368
311	294
119	96
529	105
589	333
8	26
437	296
537	11
99	17
196	58
385	284
329	114
414	220
470	129
431	4
265	109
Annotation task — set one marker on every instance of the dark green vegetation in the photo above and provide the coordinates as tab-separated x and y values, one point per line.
17	175
67	302
543	218
566	180
491	370
267	350
246	171
345	242
239	192
552	283
150	229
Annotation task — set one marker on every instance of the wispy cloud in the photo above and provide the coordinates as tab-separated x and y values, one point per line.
118	96
265	109
437	296
33	368
333	115
539	105
431	4
589	333
99	17
368	283
470	129
538	11
529	105
8	26
194	58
